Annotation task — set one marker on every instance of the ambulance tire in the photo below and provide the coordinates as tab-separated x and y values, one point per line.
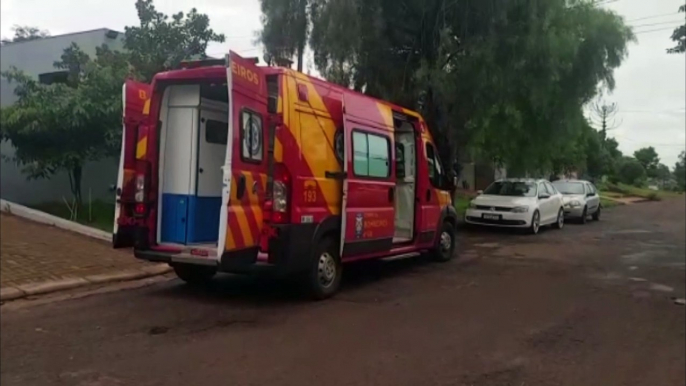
323	277
445	244
194	275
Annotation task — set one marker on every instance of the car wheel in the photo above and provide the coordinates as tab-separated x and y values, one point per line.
194	274
535	223
560	223
445	244
584	216
325	272
596	215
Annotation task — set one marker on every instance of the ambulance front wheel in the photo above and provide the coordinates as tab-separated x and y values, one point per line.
325	271
445	243
194	274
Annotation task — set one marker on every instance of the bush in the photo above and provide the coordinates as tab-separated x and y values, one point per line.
631	172
653	197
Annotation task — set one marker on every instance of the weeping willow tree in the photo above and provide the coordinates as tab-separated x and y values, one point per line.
502	80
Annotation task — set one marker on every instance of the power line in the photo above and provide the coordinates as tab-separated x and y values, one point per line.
651	144
661	23
655	111
654	30
605	2
653	17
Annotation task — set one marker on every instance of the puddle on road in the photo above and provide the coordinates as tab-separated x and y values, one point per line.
487	245
628	232
607	276
661	287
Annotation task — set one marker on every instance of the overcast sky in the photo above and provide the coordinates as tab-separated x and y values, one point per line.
650	90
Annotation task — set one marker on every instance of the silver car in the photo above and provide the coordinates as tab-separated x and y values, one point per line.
580	199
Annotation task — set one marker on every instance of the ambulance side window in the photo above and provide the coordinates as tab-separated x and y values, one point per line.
251	136
371	155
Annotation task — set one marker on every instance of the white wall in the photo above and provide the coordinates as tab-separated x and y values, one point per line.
34	58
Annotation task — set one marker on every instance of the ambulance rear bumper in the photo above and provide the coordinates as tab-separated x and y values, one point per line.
289	252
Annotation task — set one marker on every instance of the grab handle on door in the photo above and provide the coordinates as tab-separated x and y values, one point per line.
428	195
391	194
241	187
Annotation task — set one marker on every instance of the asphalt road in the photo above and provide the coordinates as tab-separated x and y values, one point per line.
588	305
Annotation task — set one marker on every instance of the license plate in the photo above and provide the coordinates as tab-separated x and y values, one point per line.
491	216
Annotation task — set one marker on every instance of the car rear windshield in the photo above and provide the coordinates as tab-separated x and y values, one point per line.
512	188
569	187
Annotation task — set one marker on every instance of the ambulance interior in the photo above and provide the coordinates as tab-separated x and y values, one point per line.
193	143
405	150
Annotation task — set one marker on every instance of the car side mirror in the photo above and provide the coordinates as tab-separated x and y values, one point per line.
590	194
543	196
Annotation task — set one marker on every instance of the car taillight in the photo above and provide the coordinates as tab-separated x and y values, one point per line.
140	188
280	195
140	208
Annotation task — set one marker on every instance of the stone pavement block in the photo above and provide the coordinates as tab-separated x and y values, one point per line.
37	256
117	276
10	293
52	286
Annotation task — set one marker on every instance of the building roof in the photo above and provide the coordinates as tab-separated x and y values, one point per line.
103	30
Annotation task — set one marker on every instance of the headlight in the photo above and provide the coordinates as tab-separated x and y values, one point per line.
472	205
520	209
575	204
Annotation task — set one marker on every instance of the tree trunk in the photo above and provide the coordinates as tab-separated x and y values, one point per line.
301	54
75	182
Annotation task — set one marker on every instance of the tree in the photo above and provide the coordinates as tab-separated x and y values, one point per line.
26	33
663	174
630	171
679	36
61	126
502	80
284	30
649	159
680	172
160	44
603	116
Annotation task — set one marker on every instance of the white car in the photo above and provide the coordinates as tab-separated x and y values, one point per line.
580	198
518	203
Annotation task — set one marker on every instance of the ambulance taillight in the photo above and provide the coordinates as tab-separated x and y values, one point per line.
280	195
140	208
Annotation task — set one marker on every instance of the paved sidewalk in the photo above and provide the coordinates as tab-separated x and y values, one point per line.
32	253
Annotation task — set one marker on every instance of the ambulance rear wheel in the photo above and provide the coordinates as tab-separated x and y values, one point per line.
194	274
325	271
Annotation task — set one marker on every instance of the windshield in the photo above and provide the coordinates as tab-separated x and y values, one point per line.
569	187
512	188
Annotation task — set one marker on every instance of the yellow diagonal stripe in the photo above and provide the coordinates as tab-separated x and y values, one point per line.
243	224
141	148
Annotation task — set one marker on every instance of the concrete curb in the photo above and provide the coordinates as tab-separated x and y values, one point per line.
24	290
48	219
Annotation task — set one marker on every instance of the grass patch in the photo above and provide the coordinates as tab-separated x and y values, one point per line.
461	201
605	203
623	190
101	214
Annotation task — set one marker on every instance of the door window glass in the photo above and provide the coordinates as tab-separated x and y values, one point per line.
370	155
216	132
542	189
590	189
251	136
435	170
551	188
